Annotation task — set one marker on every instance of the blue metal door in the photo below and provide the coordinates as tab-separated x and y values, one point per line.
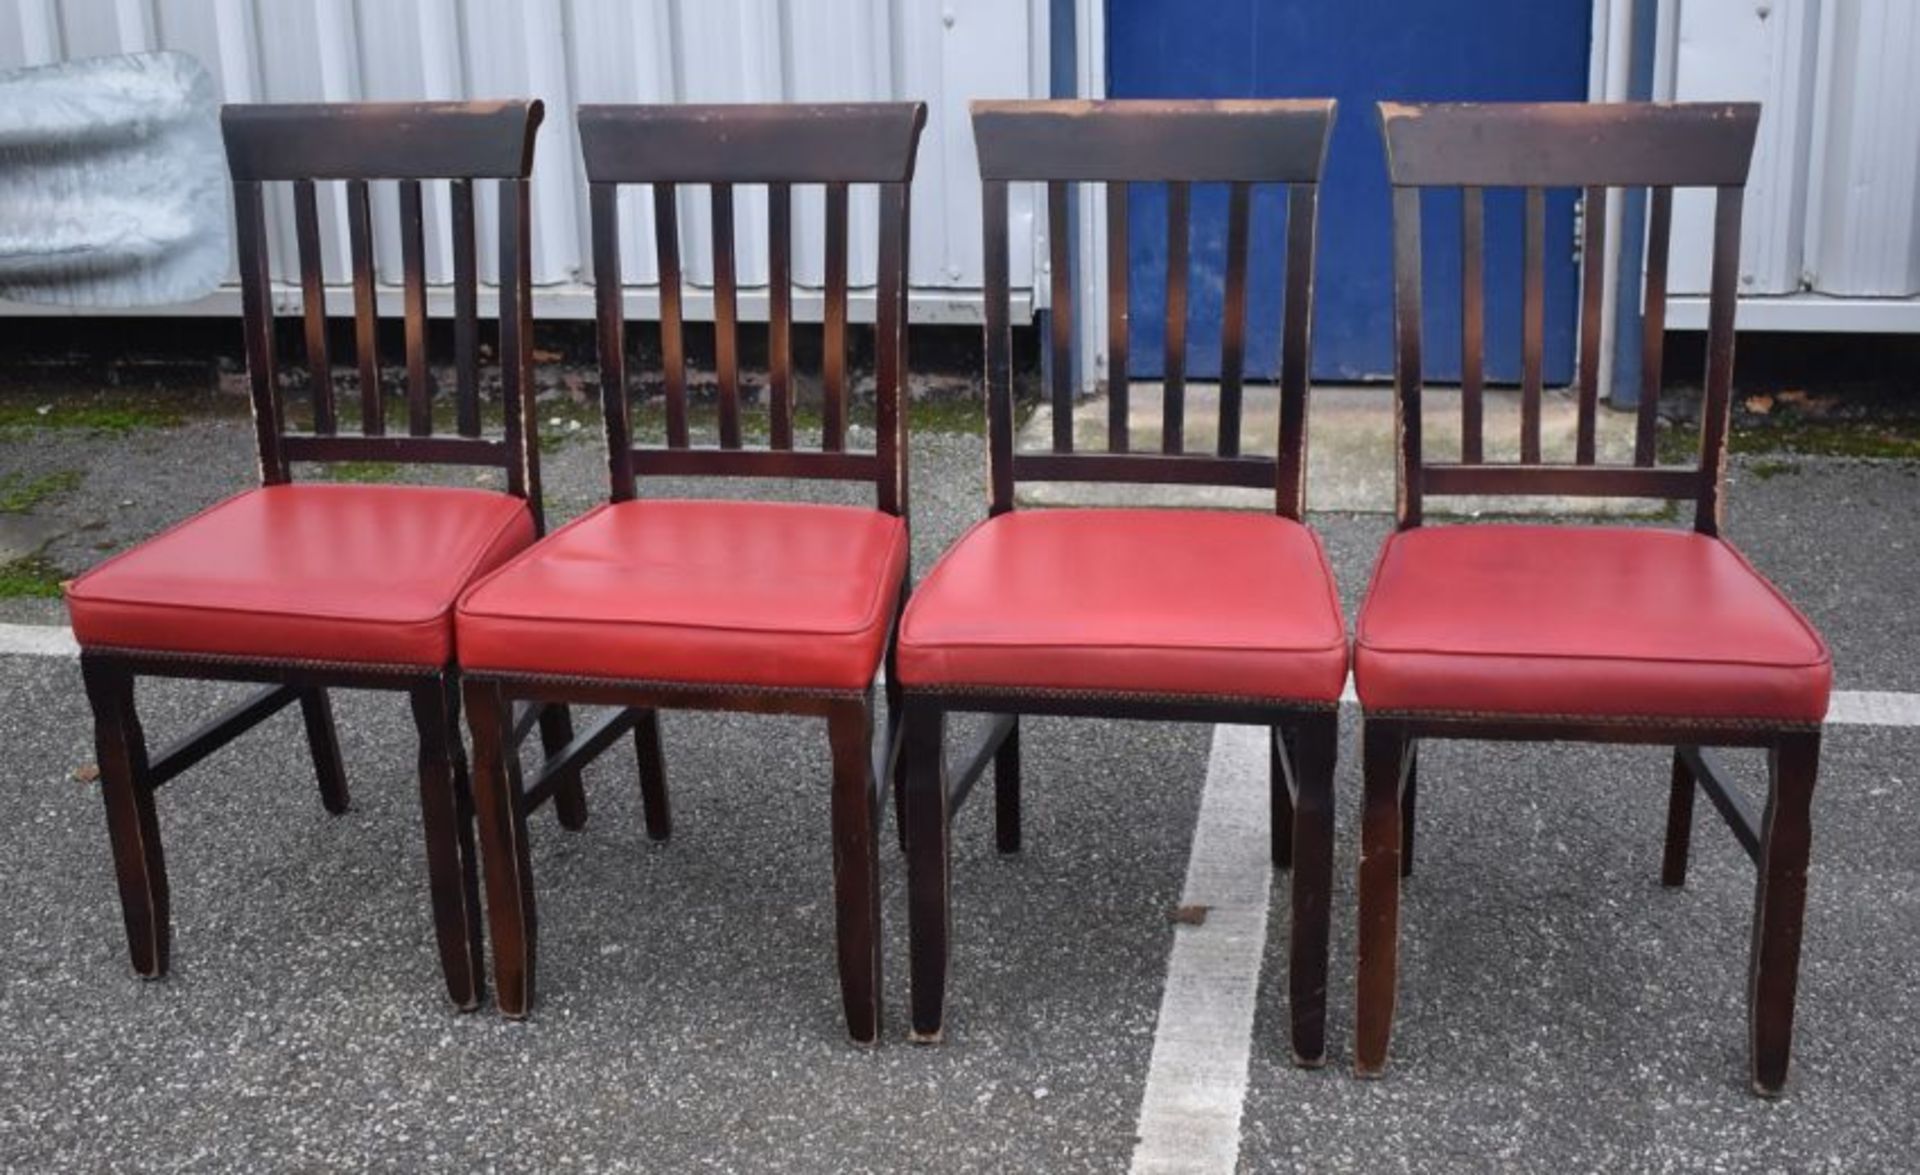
1358	51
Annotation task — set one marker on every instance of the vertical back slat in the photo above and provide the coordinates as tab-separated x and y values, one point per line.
1473	323
780	315
1059	268
1654	323
313	304
833	375
516	341
1722	300
889	351
413	261
256	301
366	344
1117	320
1593	236
673	353
466	313
1406	361
1173	406
726	341
1533	318
1233	316
1296	358
999	348
611	324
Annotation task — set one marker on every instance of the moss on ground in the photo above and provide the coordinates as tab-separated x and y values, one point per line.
30	578
98	412
19	494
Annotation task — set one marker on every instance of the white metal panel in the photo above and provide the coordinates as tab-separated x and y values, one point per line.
30	34
1864	230
1832	235
568	51
1740	50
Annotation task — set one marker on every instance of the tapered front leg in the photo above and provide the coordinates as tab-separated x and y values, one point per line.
1379	965
502	817
856	867
928	908
652	757
1780	901
896	706
323	740
1006	791
1316	749
1280	797
1409	801
133	828
570	798
446	820
1673	864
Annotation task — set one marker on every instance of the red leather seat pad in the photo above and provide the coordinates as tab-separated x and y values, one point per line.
366	574
770	594
1583	621
1170	602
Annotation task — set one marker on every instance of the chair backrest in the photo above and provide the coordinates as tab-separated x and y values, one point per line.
1595	147
781	147
1237	143
409	143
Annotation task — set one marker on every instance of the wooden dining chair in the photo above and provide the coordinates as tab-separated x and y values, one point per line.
1564	633
311	586
1173	615
769	607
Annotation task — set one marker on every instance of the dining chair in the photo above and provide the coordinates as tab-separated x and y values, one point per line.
1608	634
764	606
309	586
1170	615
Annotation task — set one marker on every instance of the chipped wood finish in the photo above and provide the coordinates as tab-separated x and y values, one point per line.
719	147
1117	144
413	143
1592	147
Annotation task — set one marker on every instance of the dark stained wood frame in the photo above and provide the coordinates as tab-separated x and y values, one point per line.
720	146
1239	143
1591	147
411	142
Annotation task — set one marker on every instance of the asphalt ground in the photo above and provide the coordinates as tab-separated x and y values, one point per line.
1558	1009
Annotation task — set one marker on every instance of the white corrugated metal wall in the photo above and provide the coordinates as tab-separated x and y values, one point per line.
1831	238
575	51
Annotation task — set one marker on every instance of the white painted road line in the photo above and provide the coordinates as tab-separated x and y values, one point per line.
38	640
1197	1081
1853	707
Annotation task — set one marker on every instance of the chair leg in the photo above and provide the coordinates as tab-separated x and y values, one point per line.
1316	747
502	815
653	774
1408	795
570	798
1382	748
1673	864
1780	901
133	828
1281	799
896	706
447	818
929	910
856	867
323	740
1006	791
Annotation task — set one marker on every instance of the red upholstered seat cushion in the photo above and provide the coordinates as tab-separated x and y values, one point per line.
747	593
1559	620
366	574
1188	602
